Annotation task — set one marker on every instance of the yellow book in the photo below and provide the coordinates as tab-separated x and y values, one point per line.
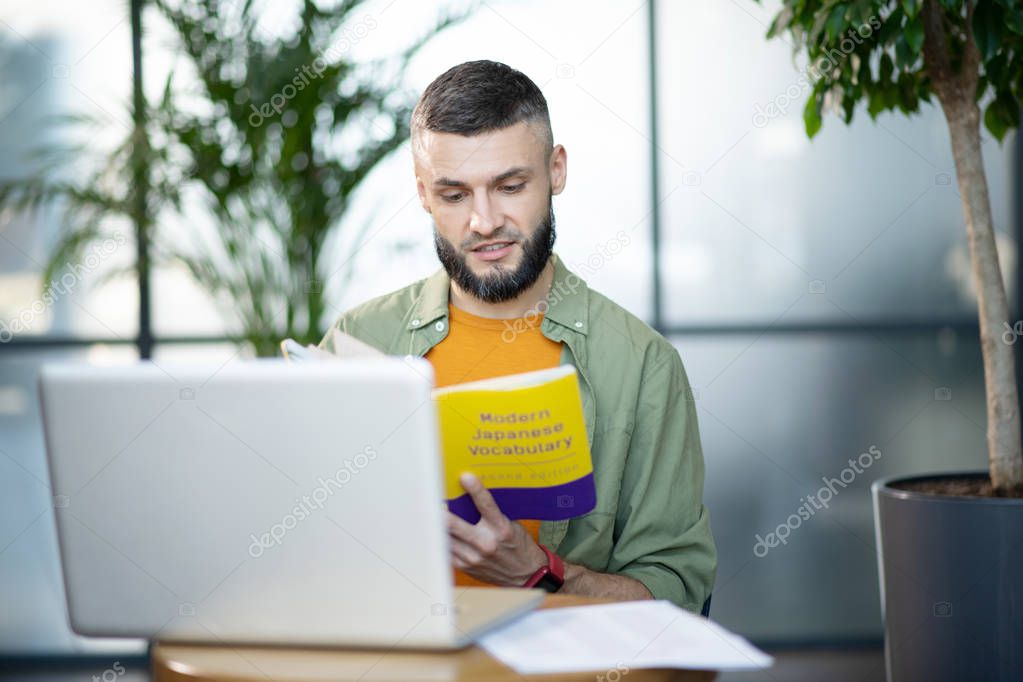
524	436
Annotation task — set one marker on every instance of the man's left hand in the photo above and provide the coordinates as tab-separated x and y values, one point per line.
496	549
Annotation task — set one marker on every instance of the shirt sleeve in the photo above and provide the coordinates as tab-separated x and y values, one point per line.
662	534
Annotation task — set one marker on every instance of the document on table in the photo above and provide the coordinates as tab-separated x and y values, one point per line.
638	634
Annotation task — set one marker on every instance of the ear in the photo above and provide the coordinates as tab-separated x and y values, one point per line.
419	169
558	168
421	190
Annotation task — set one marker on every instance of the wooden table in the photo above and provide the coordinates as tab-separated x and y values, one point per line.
191	662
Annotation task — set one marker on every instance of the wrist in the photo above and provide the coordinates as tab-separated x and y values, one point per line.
574	575
537	560
550	575
534	561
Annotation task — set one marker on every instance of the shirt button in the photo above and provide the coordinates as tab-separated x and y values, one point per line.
439	326
578	324
416	322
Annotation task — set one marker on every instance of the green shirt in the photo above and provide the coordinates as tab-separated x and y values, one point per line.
650	522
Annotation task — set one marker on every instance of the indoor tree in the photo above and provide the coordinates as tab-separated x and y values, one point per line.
897	54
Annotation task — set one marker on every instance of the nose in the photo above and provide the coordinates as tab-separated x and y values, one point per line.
485	217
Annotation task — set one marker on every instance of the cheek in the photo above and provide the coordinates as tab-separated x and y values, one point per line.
514	208
451	223
524	212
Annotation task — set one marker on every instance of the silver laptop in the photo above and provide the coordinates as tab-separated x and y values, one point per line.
258	502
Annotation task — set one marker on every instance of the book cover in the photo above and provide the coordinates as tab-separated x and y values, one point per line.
524	436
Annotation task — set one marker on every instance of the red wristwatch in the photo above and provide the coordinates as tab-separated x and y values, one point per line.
550	577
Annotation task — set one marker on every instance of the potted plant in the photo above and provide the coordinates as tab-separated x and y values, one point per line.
950	545
253	143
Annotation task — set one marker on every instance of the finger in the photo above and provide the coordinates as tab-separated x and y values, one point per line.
464	552
460	528
482	498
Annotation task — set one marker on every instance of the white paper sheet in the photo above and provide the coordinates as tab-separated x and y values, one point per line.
639	634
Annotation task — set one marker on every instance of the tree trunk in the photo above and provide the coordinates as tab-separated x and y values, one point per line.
1003	421
956	87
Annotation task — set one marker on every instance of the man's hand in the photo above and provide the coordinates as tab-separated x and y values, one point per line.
496	549
499	551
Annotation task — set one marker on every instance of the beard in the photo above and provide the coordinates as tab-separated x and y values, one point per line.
500	284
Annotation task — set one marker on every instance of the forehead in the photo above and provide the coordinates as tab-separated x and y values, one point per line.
479	157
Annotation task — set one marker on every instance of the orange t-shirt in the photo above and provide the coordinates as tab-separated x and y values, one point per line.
483	348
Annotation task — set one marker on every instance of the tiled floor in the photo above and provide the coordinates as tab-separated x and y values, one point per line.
861	665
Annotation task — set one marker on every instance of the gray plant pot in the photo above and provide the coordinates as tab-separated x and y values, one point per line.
951	572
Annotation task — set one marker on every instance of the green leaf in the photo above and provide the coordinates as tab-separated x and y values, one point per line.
815	30
848	104
911	7
995	121
885	68
988	28
835	23
862	11
862	70
875	104
812	114
890	95
997	71
1002	115
1014	20
909	101
914	33
904	55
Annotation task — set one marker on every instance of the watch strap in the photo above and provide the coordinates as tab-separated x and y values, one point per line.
550	577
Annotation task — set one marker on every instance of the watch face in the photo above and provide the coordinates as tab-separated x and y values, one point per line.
550	582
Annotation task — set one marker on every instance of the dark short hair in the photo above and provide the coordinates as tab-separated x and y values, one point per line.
479	97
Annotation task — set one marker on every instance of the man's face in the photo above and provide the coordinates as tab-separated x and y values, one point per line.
490	198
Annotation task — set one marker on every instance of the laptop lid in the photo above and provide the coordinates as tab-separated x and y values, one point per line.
255	502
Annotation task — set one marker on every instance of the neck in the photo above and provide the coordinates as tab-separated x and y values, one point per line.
528	300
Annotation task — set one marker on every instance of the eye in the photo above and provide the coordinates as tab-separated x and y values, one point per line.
512	189
453	198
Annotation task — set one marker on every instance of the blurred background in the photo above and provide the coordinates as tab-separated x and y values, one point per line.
818	292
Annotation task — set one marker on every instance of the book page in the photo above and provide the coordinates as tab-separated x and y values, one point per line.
619	637
336	342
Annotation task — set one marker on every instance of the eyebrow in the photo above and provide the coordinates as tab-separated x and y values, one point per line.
510	173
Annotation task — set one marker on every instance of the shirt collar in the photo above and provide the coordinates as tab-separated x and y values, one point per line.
432	303
567	301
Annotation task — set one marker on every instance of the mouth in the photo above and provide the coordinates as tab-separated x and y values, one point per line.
492	251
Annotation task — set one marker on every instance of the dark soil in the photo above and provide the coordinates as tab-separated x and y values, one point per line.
960	487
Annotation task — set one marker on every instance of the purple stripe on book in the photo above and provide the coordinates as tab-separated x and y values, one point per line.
550	503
